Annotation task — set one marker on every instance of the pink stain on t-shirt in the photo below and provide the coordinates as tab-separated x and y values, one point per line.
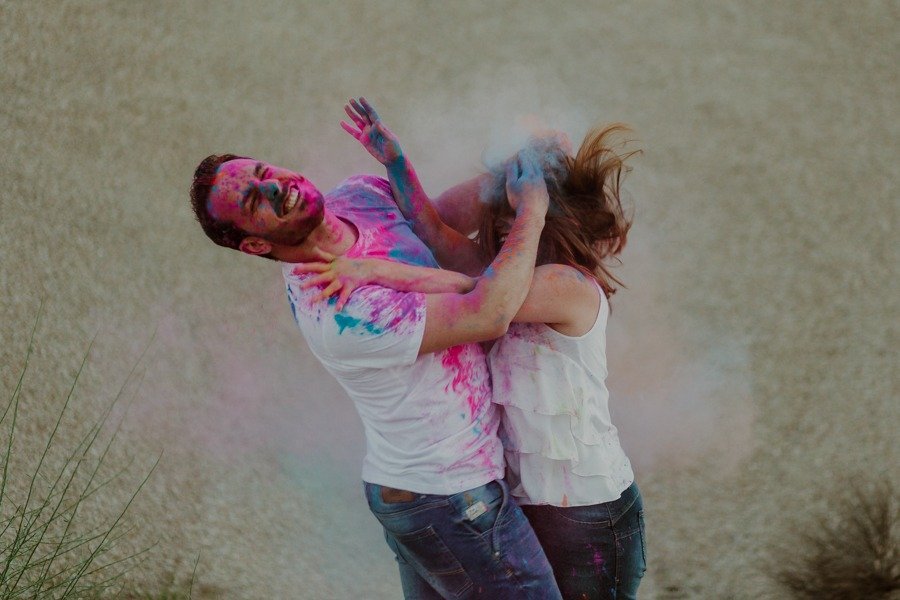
373	311
389	314
458	363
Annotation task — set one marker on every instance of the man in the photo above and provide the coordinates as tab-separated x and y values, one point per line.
410	361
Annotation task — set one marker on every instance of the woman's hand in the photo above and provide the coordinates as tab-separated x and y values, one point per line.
525	185
371	132
339	275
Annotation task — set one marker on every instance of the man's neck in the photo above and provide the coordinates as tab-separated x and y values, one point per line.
333	235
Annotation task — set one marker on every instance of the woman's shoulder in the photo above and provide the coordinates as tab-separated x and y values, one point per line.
577	297
566	276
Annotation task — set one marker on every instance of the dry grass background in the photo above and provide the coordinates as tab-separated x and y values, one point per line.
754	355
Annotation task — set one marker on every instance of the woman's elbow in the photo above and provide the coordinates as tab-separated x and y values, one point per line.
491	318
497	329
499	325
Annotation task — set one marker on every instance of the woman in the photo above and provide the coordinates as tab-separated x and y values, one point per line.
564	461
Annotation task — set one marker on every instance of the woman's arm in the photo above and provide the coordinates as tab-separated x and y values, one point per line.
460	206
341	276
451	248
560	296
486	312
486	309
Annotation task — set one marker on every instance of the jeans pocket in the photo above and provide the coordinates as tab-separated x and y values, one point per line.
481	512
428	551
643	532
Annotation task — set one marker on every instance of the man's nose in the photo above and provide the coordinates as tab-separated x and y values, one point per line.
269	189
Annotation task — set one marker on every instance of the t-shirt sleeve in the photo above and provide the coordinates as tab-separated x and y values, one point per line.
377	328
378	184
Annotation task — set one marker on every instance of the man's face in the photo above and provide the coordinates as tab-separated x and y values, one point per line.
267	202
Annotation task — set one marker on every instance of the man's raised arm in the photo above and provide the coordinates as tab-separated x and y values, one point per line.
452	249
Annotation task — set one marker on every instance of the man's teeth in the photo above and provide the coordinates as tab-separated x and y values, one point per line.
291	201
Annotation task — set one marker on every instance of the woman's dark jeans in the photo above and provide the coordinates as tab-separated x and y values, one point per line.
596	551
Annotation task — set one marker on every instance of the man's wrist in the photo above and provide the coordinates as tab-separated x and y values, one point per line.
398	164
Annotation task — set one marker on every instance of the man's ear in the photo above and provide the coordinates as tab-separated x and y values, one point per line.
254	245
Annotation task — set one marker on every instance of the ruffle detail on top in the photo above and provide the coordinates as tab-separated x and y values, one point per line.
560	443
541	379
561	438
536	479
554	407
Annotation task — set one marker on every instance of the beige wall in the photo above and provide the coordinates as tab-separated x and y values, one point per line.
753	356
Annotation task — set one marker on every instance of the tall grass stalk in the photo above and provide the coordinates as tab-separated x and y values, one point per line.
44	550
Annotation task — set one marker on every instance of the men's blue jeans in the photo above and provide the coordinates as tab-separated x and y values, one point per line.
474	544
597	551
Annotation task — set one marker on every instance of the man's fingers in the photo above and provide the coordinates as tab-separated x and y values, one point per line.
343	297
323	255
360	122
310	267
369	109
316	281
351	130
362	111
330	289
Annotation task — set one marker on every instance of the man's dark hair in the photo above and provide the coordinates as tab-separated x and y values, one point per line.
223	234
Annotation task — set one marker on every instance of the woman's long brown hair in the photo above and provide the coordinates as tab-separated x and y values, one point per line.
586	226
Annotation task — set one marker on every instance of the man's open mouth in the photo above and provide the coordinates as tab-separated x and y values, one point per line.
290	202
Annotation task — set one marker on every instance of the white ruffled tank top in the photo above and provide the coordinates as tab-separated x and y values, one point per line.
561	447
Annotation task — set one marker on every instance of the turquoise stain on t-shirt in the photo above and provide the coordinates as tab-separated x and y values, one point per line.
347	322
408	255
291	302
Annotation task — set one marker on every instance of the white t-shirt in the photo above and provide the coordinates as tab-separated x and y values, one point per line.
561	447
429	422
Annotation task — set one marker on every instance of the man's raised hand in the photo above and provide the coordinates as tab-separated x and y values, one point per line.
368	129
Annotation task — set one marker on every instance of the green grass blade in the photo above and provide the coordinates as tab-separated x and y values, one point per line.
119	518
19	531
14	401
